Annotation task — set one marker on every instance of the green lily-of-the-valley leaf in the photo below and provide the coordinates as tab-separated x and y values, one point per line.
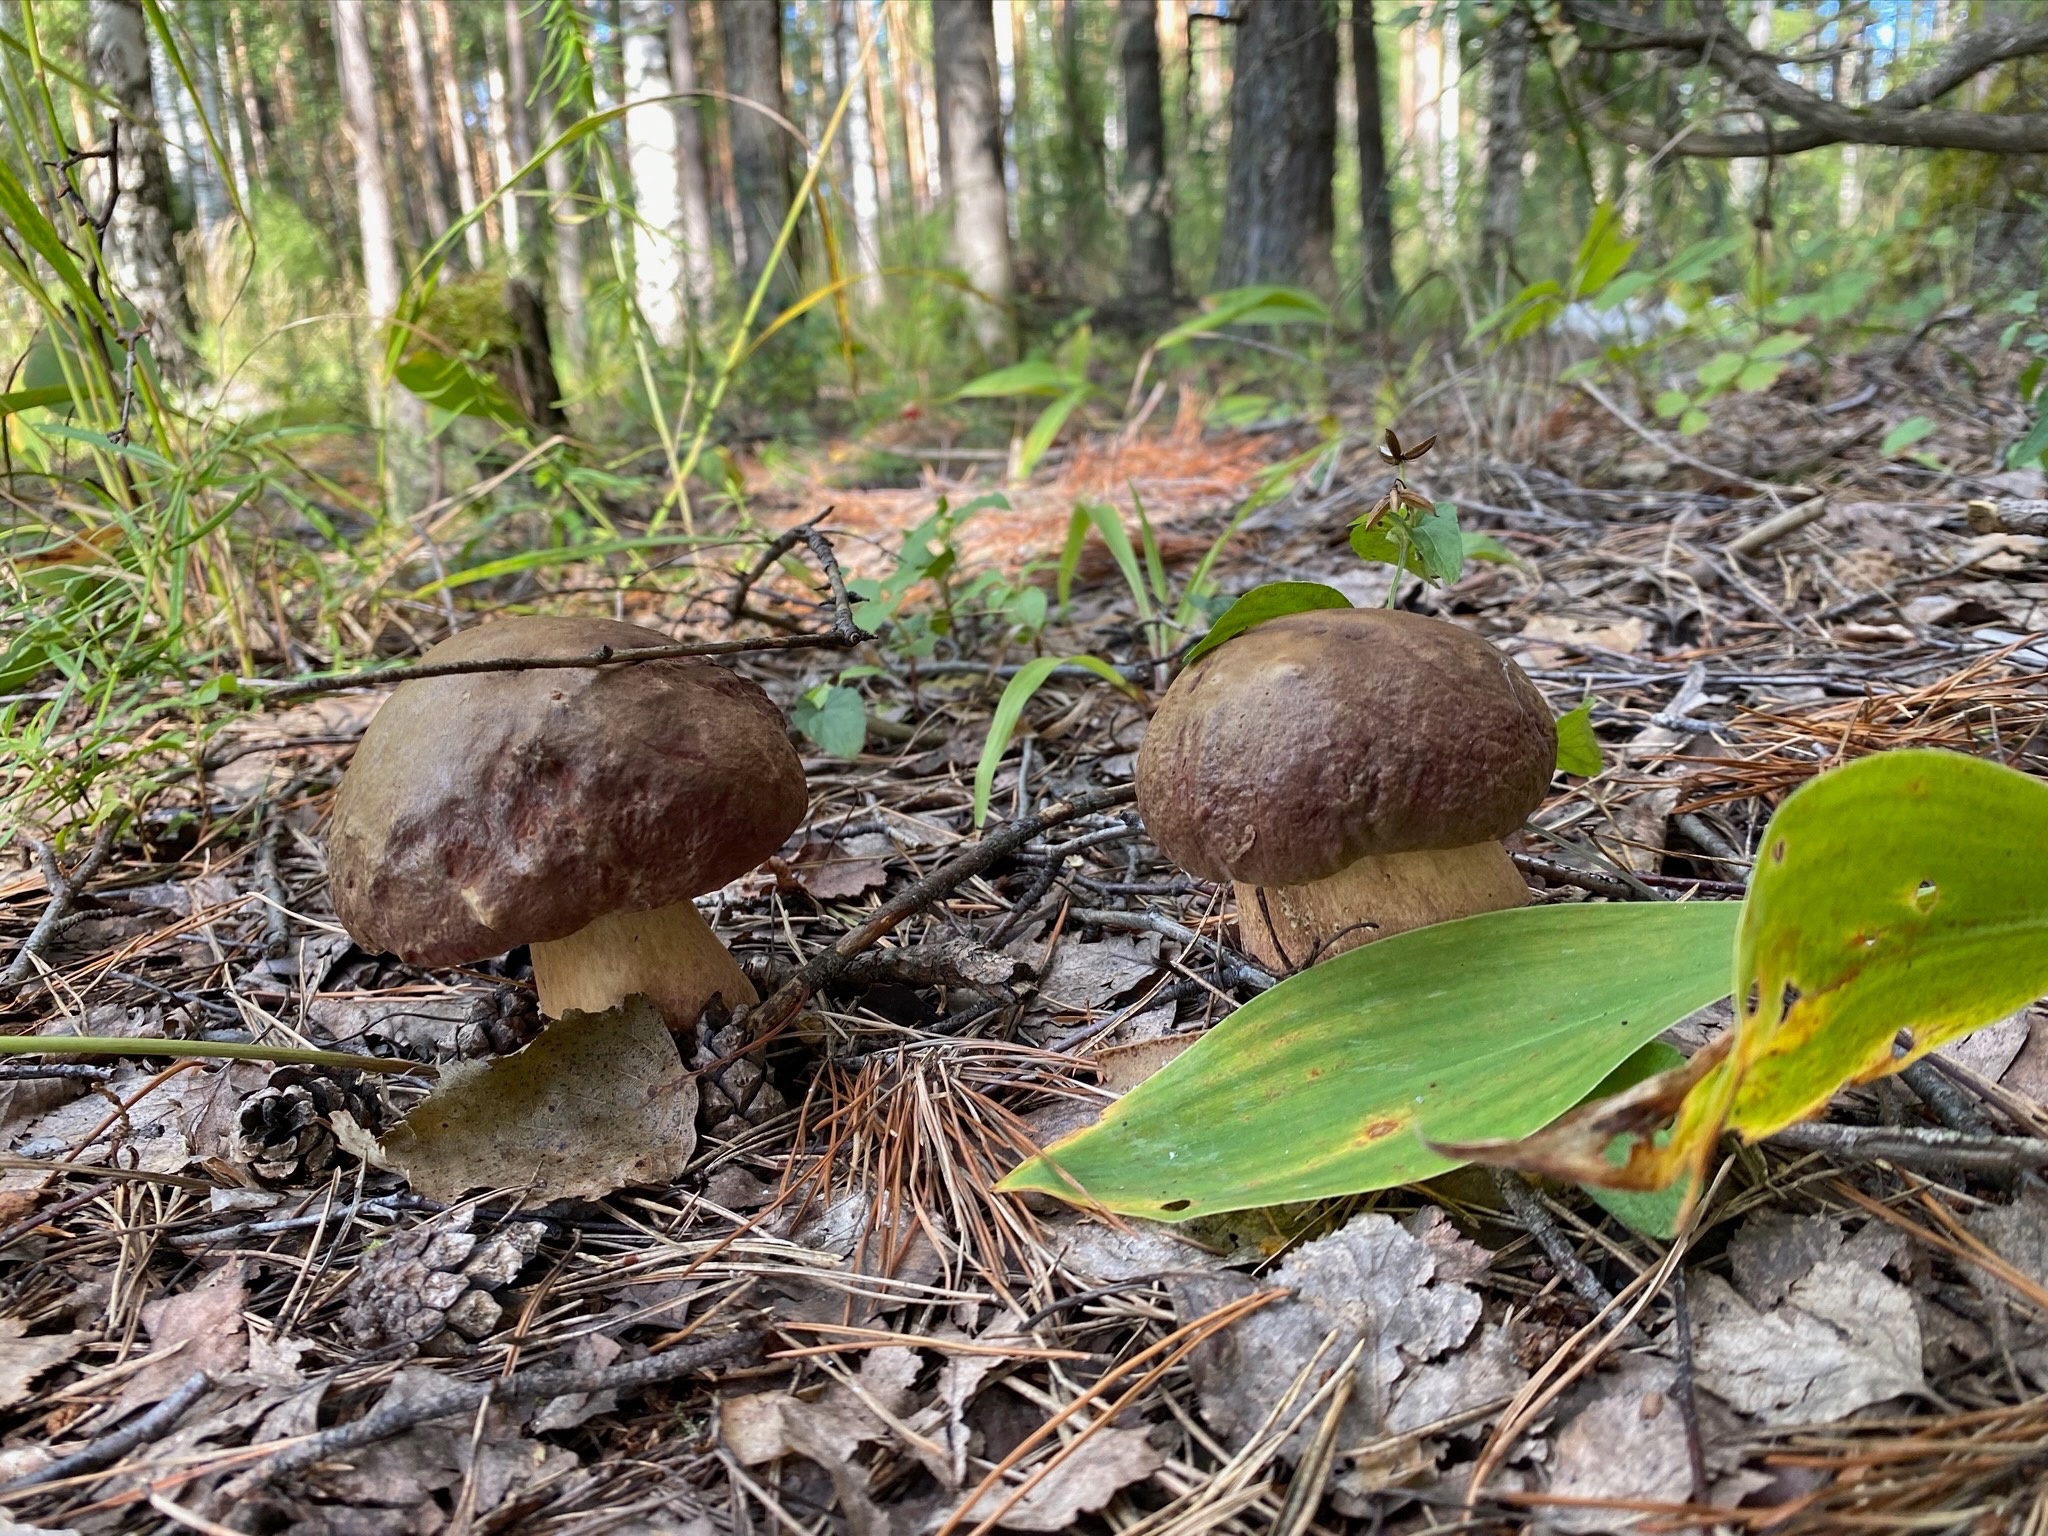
1329	1083
1907	890
1273	600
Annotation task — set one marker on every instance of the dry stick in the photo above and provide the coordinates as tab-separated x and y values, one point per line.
464	1397
1671	450
1528	1210
843	635
1922	1147
63	891
997	843
110	1448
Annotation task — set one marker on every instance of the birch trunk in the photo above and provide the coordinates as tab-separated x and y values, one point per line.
519	128
138	241
964	65
853	140
693	181
651	162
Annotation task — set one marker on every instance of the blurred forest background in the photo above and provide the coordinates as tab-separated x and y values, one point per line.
320	315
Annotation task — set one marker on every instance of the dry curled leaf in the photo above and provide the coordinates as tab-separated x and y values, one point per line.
598	1101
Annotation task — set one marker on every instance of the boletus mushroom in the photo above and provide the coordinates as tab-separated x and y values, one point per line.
1352	771
575	810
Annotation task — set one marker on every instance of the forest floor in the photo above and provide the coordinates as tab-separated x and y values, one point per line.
829	1322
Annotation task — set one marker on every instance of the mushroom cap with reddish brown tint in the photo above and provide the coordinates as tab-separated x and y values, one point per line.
1316	739
496	809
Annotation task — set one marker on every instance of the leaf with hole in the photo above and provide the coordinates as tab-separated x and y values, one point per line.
1328	1083
1903	891
1271	601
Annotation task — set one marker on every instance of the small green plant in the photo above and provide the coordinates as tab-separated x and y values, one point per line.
2027	334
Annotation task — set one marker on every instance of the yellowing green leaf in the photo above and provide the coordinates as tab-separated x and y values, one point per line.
1328	1083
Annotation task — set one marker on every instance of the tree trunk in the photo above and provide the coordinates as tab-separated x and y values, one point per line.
527	370
878	115
1507	137
213	82
436	191
1148	192
751	31
853	141
449	67
651	162
1375	186
693	180
560	171
251	100
503	164
964	64
397	410
519	125
138	240
1083	172
1278	219
910	105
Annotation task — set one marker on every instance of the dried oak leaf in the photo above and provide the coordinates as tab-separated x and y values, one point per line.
1084	1479
597	1102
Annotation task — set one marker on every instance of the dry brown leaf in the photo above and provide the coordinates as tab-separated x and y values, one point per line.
22	1360
1626	1443
1374	1280
596	1102
200	1329
1844	1337
1085	1479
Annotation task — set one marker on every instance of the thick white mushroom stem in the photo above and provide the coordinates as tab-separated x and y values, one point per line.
1287	927
669	953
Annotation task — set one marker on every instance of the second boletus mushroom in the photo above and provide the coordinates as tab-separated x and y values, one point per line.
575	810
1352	772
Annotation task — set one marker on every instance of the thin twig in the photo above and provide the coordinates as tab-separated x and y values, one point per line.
465	1397
997	843
1522	1199
64	889
1924	1147
110	1448
843	635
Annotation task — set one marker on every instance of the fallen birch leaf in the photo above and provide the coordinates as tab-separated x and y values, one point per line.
597	1101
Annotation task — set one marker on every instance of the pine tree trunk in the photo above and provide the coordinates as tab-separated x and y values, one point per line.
694	181
853	145
448	66
651	162
503	166
1278	218
1148	191
437	193
878	115
910	104
560	172
250	99
1507	137
1375	186
971	134
138	240
751	32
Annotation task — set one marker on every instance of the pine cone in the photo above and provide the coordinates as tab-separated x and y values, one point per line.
431	1288
285	1130
736	1096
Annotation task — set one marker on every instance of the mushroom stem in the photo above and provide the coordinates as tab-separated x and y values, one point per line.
1287	927
669	953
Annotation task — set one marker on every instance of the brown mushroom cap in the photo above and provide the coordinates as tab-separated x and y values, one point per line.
1319	738
504	808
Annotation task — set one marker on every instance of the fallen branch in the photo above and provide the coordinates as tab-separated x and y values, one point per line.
843	635
64	890
2009	514
523	1386
1916	1147
110	1448
999	842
